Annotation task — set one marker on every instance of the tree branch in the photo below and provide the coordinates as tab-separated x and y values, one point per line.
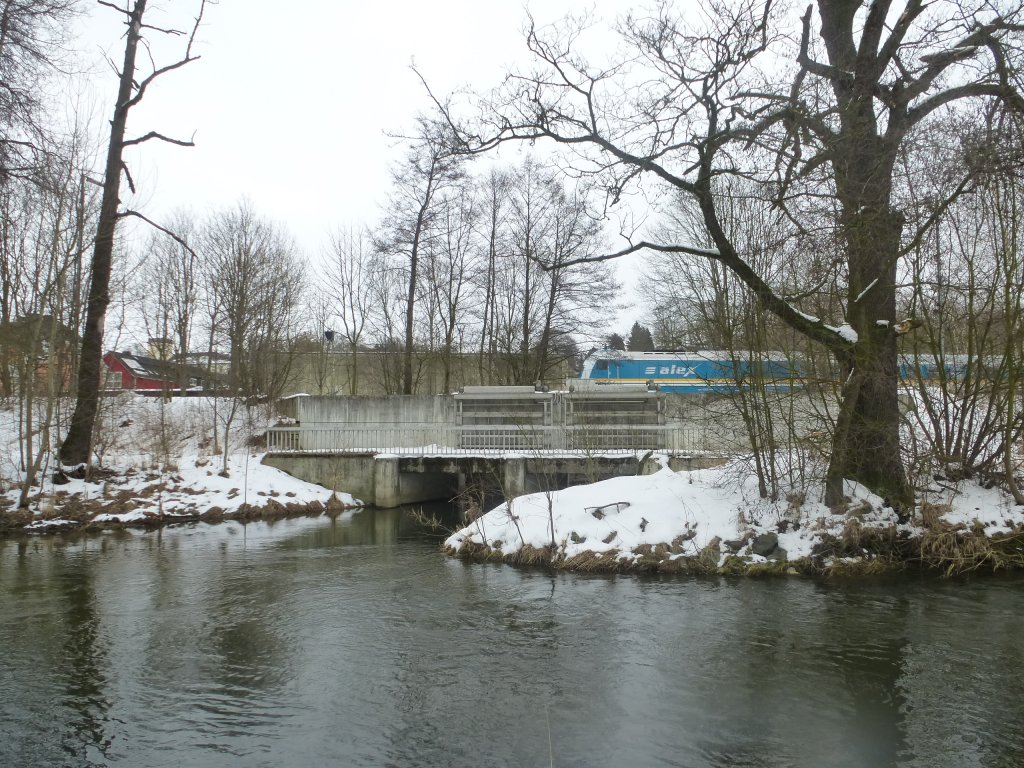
176	238
161	137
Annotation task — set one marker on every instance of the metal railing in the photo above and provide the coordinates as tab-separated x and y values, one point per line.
443	439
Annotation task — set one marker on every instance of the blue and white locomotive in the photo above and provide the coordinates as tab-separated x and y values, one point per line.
702	372
697	372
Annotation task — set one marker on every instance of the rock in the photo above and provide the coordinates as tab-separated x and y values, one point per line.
214	513
275	508
764	544
733	545
334	505
315	506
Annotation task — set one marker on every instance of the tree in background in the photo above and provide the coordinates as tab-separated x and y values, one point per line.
255	279
348	284
171	282
493	192
640	339
964	283
540	291
32	34
429	167
451	265
39	248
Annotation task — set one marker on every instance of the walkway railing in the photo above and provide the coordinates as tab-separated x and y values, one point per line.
445	439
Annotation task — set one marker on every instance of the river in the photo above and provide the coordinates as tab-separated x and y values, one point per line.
354	642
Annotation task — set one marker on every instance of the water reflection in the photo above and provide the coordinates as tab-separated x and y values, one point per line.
354	642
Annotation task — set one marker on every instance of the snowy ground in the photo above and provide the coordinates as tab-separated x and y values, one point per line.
714	513
160	461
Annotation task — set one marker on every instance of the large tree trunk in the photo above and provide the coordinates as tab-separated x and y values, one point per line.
77	446
866	443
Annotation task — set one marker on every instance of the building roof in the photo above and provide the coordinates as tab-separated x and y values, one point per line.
19	333
163	370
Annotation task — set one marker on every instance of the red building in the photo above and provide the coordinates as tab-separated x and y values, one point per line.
138	373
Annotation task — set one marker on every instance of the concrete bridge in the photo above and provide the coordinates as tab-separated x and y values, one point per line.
391	480
486	441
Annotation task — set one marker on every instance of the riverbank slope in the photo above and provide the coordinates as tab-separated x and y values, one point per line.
161	462
714	521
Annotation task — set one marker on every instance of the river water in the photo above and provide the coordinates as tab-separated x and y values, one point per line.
353	642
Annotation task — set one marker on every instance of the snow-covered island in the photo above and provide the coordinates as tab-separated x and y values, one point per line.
713	521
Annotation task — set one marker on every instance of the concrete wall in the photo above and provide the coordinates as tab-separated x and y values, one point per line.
332	372
716	423
376	481
350	473
391	409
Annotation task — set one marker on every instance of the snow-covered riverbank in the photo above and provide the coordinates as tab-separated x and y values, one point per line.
161	464
713	520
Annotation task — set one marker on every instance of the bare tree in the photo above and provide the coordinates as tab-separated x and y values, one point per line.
541	294
31	46
866	82
76	447
256	280
171	283
39	221
451	267
964	283
493	193
429	167
348	284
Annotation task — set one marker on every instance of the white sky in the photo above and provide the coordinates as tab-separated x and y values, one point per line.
290	103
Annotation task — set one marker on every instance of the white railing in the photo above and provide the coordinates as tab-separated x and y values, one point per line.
419	439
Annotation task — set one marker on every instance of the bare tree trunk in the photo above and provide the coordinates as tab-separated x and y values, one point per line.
410	306
77	446
866	445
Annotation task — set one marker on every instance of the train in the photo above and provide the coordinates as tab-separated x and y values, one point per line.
696	372
712	371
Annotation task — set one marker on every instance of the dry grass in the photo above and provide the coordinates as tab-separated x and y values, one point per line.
860	550
954	550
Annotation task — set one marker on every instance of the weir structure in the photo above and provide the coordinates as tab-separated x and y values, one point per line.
479	444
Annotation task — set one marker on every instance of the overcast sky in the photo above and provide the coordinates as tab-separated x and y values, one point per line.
291	102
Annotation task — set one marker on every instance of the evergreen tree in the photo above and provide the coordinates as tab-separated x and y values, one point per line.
640	339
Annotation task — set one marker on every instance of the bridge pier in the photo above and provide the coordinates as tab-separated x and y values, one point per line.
514	478
387	489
